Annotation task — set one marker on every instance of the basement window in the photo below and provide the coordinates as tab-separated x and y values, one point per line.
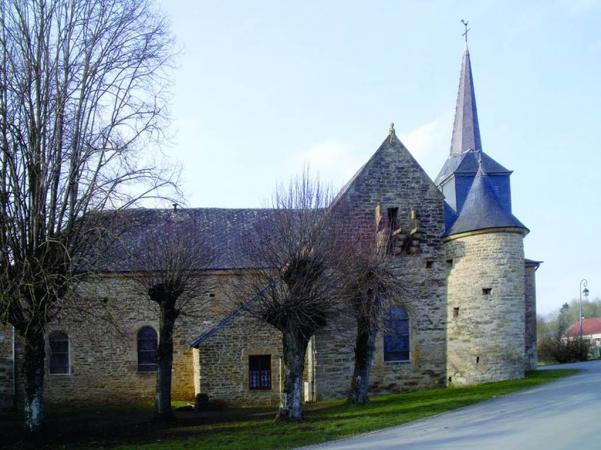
486	291
259	372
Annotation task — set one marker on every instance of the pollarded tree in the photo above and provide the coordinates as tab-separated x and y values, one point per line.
369	287
81	94
169	267
292	283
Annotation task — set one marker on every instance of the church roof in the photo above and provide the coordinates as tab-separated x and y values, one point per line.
467	164
226	231
466	131
482	209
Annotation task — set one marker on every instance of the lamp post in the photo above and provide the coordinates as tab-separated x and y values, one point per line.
583	291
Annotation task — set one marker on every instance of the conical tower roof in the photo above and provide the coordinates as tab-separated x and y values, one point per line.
482	209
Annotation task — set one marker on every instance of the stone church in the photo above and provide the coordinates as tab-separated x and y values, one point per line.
471	318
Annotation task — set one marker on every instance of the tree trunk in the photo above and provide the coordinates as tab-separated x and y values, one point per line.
168	315
33	373
291	403
365	345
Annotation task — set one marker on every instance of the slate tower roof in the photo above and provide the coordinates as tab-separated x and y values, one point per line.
476	187
466	131
482	209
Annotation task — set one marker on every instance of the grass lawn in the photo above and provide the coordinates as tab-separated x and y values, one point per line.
253	428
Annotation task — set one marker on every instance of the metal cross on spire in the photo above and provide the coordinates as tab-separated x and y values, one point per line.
464	34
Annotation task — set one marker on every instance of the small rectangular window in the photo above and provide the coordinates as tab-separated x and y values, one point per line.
486	291
429	264
456	312
396	337
59	353
259	372
450	262
393	218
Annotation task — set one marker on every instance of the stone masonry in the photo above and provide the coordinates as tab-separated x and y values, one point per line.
485	307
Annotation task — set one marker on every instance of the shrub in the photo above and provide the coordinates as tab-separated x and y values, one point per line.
556	349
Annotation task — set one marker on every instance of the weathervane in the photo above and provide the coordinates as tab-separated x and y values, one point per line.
464	34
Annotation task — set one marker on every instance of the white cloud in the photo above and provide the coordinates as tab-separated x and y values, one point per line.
426	139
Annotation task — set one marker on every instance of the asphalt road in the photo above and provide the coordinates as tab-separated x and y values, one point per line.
561	415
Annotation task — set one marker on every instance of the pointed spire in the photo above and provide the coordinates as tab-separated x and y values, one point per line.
466	131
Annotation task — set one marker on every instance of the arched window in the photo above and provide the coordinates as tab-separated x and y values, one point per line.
59	352
396	337
147	350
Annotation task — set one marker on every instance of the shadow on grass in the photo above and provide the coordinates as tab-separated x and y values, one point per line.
243	428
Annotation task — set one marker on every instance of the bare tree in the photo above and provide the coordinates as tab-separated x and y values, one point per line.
292	284
369	287
169	268
81	92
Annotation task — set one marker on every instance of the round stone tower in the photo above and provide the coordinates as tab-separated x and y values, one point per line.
486	309
483	247
486	290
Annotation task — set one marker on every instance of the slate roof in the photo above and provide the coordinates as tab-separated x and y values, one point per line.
466	130
467	164
226	230
482	209
591	325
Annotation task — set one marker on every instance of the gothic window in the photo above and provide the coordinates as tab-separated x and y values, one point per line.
147	350
59	353
259	372
396	337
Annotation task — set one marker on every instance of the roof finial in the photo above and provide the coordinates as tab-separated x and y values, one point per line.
464	34
391	133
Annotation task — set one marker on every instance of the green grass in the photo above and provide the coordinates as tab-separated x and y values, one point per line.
334	419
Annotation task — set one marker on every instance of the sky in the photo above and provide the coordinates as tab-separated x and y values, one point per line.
262	88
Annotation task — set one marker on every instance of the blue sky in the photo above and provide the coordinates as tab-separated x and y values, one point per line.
263	87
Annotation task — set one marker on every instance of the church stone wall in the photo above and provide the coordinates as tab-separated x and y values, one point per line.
102	327
6	368
393	179
485	328
426	307
222	362
530	336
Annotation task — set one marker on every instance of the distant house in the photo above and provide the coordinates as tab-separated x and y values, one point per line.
591	330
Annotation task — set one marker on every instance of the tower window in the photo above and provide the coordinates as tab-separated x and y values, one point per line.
486	291
259	372
396	339
456	312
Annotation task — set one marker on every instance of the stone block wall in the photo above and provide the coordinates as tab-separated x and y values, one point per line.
222	361
486	308
425	303
392	179
102	328
530	319
6	368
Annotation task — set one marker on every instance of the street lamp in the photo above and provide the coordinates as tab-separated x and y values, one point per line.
583	291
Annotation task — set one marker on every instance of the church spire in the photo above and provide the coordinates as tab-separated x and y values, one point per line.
466	132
